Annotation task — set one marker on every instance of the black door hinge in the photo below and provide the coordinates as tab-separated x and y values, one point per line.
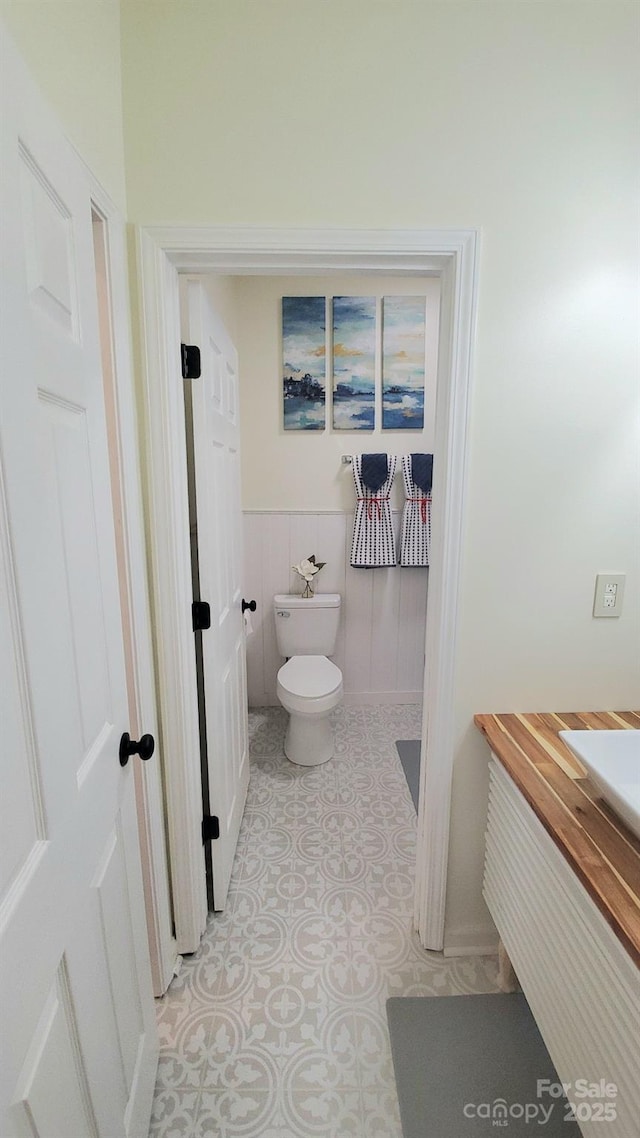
190	361
210	828
200	615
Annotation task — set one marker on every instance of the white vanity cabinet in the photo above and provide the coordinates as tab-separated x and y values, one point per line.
579	979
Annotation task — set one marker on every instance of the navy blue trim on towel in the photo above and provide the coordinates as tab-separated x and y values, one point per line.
375	468
422	471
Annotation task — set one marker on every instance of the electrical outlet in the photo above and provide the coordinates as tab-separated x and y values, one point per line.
609	594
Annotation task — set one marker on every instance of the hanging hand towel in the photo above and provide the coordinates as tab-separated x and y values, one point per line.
373	537
374	471
415	544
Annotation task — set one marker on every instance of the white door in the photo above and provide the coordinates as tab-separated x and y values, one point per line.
79	1043
216	452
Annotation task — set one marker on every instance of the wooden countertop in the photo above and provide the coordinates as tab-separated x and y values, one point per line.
599	847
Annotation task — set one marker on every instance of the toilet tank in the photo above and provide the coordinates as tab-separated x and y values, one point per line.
307	627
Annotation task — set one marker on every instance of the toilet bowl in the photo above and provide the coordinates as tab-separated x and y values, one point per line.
309	687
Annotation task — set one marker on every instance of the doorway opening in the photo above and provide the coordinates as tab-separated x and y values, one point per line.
298	499
162	254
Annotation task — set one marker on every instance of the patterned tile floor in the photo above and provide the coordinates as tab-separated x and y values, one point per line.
276	1027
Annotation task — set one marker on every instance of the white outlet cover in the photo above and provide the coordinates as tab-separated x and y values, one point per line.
605	595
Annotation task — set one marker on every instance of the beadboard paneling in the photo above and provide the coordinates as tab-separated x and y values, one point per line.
380	645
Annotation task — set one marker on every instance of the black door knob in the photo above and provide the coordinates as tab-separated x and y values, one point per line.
251	605
143	747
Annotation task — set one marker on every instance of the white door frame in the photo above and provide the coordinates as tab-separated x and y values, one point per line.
161	252
148	782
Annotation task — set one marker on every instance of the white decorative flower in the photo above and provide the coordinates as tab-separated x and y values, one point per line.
308	567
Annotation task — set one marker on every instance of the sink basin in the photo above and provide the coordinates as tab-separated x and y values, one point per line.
612	761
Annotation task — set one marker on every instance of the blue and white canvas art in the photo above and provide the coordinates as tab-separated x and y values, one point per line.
403	349
354	350
304	360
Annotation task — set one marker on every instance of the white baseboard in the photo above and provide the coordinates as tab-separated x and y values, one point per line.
387	697
351	699
263	699
474	940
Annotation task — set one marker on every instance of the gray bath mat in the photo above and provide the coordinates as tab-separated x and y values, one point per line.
409	751
469	1065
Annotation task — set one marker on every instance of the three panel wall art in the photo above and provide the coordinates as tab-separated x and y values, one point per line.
365	340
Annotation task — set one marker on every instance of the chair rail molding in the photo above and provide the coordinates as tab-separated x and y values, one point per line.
451	254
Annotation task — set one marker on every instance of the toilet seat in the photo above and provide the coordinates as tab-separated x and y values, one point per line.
309	677
309	685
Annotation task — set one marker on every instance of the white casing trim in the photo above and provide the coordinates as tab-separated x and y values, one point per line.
457	332
450	254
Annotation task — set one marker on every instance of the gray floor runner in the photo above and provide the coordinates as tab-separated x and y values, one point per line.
469	1065
409	751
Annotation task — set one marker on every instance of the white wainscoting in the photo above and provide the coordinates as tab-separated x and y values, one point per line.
382	628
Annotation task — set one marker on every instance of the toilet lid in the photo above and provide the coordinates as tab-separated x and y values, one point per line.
310	676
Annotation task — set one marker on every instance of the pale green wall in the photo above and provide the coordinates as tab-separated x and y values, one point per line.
516	117
72	48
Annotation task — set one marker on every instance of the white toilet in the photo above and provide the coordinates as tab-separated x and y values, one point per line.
309	685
